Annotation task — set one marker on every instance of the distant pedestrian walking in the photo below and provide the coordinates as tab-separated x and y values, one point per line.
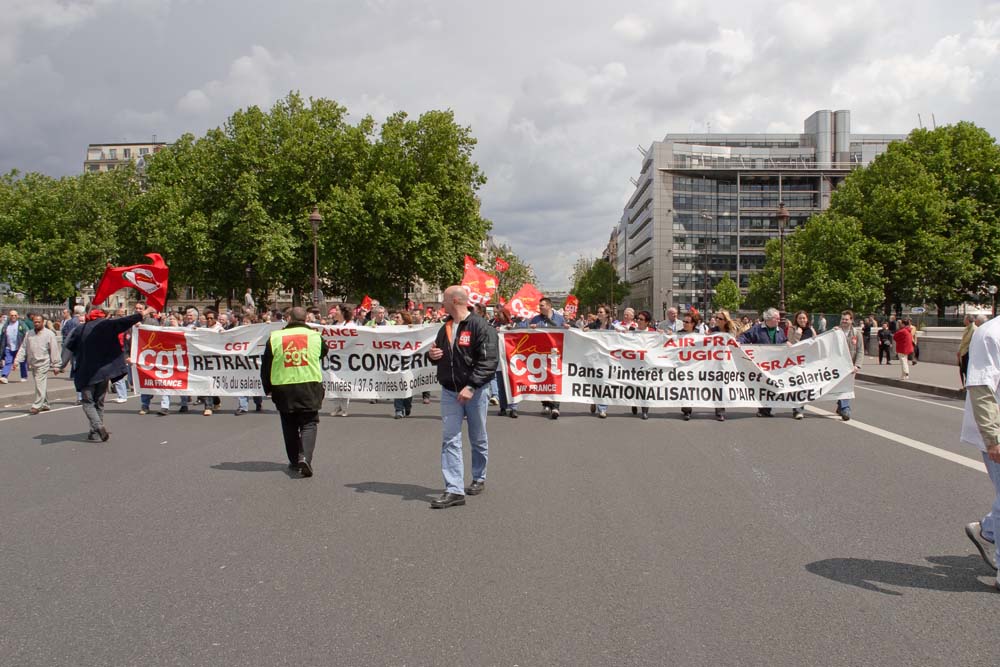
41	352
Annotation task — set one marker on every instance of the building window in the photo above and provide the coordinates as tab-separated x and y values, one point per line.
126	153
143	151
112	153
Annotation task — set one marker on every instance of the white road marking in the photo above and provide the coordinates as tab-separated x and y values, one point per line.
909	442
911	398
69	407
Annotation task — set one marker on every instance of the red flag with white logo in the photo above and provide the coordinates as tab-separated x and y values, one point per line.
572	306
502	265
469	263
480	285
150	279
366	302
525	302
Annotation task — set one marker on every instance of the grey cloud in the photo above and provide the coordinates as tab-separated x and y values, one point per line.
558	93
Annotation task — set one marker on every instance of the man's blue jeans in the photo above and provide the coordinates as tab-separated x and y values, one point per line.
8	363
452	415
991	522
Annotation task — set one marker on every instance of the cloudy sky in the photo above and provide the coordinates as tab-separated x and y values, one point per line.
558	93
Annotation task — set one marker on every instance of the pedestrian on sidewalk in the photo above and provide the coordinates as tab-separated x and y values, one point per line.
40	351
12	334
885	344
290	373
98	353
465	353
904	347
981	427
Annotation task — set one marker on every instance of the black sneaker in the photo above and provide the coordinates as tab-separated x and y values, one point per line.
513	413
555	413
477	487
305	469
183	408
104	434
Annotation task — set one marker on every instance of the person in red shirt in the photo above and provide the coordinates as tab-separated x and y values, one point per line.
904	347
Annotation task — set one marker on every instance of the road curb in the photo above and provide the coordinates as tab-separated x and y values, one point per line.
944	392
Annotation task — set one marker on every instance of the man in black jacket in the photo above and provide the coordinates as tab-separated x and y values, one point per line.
98	354
465	353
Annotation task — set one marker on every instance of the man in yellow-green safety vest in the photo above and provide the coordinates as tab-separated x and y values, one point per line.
290	371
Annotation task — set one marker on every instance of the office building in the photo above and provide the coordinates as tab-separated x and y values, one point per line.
705	205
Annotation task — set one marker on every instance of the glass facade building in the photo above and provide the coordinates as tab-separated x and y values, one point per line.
705	205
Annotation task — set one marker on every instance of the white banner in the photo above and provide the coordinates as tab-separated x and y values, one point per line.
358	362
608	367
655	370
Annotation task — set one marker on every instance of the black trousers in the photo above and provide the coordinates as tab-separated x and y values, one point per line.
299	430
884	350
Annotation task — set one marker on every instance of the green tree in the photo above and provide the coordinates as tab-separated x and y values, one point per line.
58	233
826	269
727	295
234	205
596	282
510	280
930	206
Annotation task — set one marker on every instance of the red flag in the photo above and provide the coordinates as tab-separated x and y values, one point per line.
149	279
366	302
469	263
480	285
503	301
525	302
572	306
502	264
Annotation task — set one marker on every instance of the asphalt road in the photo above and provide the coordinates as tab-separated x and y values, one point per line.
183	541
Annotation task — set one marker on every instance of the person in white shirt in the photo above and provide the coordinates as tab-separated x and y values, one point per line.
981	428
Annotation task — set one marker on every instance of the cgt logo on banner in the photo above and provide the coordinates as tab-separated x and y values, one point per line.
295	348
535	362
162	361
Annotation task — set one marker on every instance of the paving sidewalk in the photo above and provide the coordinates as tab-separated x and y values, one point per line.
937	379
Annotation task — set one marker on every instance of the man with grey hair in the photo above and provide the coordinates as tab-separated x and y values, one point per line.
671	324
765	333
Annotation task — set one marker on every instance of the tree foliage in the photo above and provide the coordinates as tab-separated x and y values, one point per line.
929	206
231	209
826	269
595	281
727	295
921	223
518	273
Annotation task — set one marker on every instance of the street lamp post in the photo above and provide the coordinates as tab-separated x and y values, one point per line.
315	219
783	217
992	289
707	282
